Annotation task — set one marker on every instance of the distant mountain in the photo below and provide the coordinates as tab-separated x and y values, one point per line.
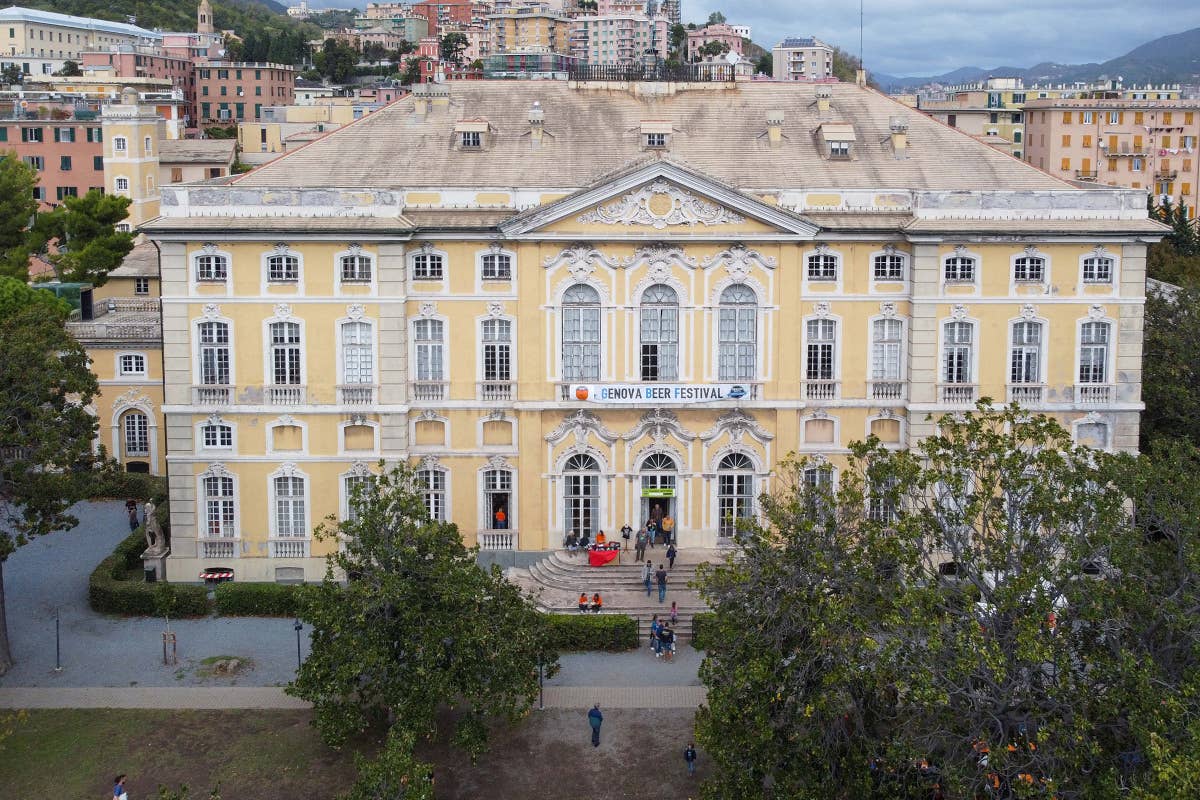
1168	59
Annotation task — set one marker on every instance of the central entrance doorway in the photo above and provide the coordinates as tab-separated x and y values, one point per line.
659	472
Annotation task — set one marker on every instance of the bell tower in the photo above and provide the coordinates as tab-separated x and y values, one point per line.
204	18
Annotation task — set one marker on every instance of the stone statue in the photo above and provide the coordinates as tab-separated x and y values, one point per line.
155	541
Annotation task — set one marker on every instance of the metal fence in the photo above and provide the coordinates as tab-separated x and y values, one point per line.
702	73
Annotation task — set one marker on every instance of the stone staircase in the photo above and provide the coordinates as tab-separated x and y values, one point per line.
557	580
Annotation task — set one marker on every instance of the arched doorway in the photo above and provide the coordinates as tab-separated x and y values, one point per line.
659	473
735	493
581	495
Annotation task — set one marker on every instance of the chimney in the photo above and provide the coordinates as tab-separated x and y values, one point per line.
439	95
899	127
775	128
536	116
860	77
420	99
824	93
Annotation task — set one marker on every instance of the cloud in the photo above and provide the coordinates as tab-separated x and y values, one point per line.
923	37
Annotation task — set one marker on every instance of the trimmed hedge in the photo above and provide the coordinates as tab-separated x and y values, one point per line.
110	481
258	599
116	585
613	632
701	625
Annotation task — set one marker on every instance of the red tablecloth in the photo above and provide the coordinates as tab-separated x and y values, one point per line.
598	558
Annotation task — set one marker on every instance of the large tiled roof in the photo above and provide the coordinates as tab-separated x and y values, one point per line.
719	129
19	14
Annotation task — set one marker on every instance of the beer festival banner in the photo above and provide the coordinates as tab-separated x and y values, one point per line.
660	393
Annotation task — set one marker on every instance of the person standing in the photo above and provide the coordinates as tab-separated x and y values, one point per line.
671	553
647	573
651	531
655	627
674	614
661	577
668	526
119	788
689	757
594	719
639	547
131	506
501	517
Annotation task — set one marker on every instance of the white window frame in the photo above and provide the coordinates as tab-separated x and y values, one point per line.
305	497
344	490
202	529
373	344
350	423
1041	349
757	345
135	373
976	269
943	345
825	447
201	435
484	509
495	252
834	347
481	358
269	350
210	250
120	144
198	346
128	415
120	189
282	249
600	341
428	250
442	492
443	366
890	253
355	251
1100	252
823	253
1110	354
750	497
1027	255
1089	420
639	322
470	140
901	347
141	286
599	515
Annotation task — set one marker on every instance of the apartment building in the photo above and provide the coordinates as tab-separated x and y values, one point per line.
801	59
409	26
713	33
529	30
237	92
570	321
40	41
67	153
444	14
1142	144
619	38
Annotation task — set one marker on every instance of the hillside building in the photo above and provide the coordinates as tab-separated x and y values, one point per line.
801	59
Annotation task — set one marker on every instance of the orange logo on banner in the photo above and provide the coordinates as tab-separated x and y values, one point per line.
581	393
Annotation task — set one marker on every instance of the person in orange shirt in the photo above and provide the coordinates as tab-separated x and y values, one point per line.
597	603
600	537
583	601
501	518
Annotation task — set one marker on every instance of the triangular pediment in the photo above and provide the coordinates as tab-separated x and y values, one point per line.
658	199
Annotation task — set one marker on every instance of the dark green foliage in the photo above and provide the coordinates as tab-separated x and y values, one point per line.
70	69
1176	259
581	632
395	774
89	245
412	72
108	480
17	208
12	75
117	584
715	18
336	61
258	599
1171	368
16	295
452	46
702	624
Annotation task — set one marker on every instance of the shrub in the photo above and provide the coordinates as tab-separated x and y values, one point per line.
613	632
108	479
701	624
258	599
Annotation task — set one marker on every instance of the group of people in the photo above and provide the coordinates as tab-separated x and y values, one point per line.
662	635
659	576
593	606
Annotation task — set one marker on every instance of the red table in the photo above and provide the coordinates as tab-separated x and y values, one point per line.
598	558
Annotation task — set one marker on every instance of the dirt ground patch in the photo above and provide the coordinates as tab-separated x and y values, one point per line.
276	755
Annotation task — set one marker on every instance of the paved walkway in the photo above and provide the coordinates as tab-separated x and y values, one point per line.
268	697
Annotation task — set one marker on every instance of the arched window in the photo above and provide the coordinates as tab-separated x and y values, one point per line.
889	266
1098	269
428	267
581	495
356	268
211	267
283	267
137	435
658	475
496	267
660	334
1029	269
581	333
822	266
497	493
737	350
735	492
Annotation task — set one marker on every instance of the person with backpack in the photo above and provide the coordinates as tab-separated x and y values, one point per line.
661	577
655	627
689	757
671	553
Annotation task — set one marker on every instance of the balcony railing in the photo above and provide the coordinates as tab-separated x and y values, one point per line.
429	390
497	540
212	395
1086	175
358	394
566	391
887	390
1093	393
496	390
1026	394
284	395
289	548
126	331
1167	175
959	394
820	390
220	548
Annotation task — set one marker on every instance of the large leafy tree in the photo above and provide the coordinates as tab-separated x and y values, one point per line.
17	208
1171	369
969	615
88	245
417	625
452	46
336	60
45	430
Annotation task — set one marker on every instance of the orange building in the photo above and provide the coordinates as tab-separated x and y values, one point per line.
67	153
237	92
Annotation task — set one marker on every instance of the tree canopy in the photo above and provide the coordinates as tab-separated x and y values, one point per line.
978	617
17	209
337	60
417	625
452	46
89	245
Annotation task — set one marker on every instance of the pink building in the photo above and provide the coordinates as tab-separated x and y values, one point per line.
129	62
713	33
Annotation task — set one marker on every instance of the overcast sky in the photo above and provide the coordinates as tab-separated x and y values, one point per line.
928	37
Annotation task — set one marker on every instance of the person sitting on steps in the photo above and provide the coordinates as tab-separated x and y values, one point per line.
583	602
597	603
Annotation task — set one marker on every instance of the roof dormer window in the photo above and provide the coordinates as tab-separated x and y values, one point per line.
471	140
837	140
656	134
656	140
839	150
471	133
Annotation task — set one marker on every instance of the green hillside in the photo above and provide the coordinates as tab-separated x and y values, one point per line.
263	20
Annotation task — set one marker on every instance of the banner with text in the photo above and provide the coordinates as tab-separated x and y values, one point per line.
660	393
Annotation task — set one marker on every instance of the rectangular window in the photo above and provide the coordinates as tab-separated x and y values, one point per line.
358	359
656	140
283	268
285	353
497	267
839	150
1093	352
1066	164
141	286
822	338
63	192
888	267
356	268
31	134
1025	360
1097	269
1168	117
218	436
822	267
433	492
133	364
1139	118
211	268
581	343
137	435
471	140
214	353
427	267
497	350
1029	269
289	507
886	344
98	163
64	163
1087	141
429	335
1114	117
1066	118
960	269
37	162
1086	117
3	133
1066	140
957	357
356	488
64	134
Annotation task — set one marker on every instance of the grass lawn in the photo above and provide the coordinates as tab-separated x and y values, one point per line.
272	755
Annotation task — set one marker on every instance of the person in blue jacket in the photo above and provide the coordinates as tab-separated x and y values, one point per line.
594	719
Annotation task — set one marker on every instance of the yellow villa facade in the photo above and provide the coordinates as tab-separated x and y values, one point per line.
575	306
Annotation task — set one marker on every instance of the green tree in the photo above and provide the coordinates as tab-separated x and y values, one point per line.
452	46
16	295
12	74
417	625
715	18
395	774
412	72
89	245
714	48
846	66
970	613
17	209
1171	366
70	69
374	51
336	60
46	431
678	38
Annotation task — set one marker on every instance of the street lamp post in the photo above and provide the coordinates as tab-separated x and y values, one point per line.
57	640
299	626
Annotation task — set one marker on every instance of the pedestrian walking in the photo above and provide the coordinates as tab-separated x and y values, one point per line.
647	573
689	757
639	548
626	534
119	788
652	531
661	577
655	627
594	719
674	614
668	527
671	553
131	507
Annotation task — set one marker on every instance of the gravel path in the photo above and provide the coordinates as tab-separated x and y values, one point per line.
50	575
